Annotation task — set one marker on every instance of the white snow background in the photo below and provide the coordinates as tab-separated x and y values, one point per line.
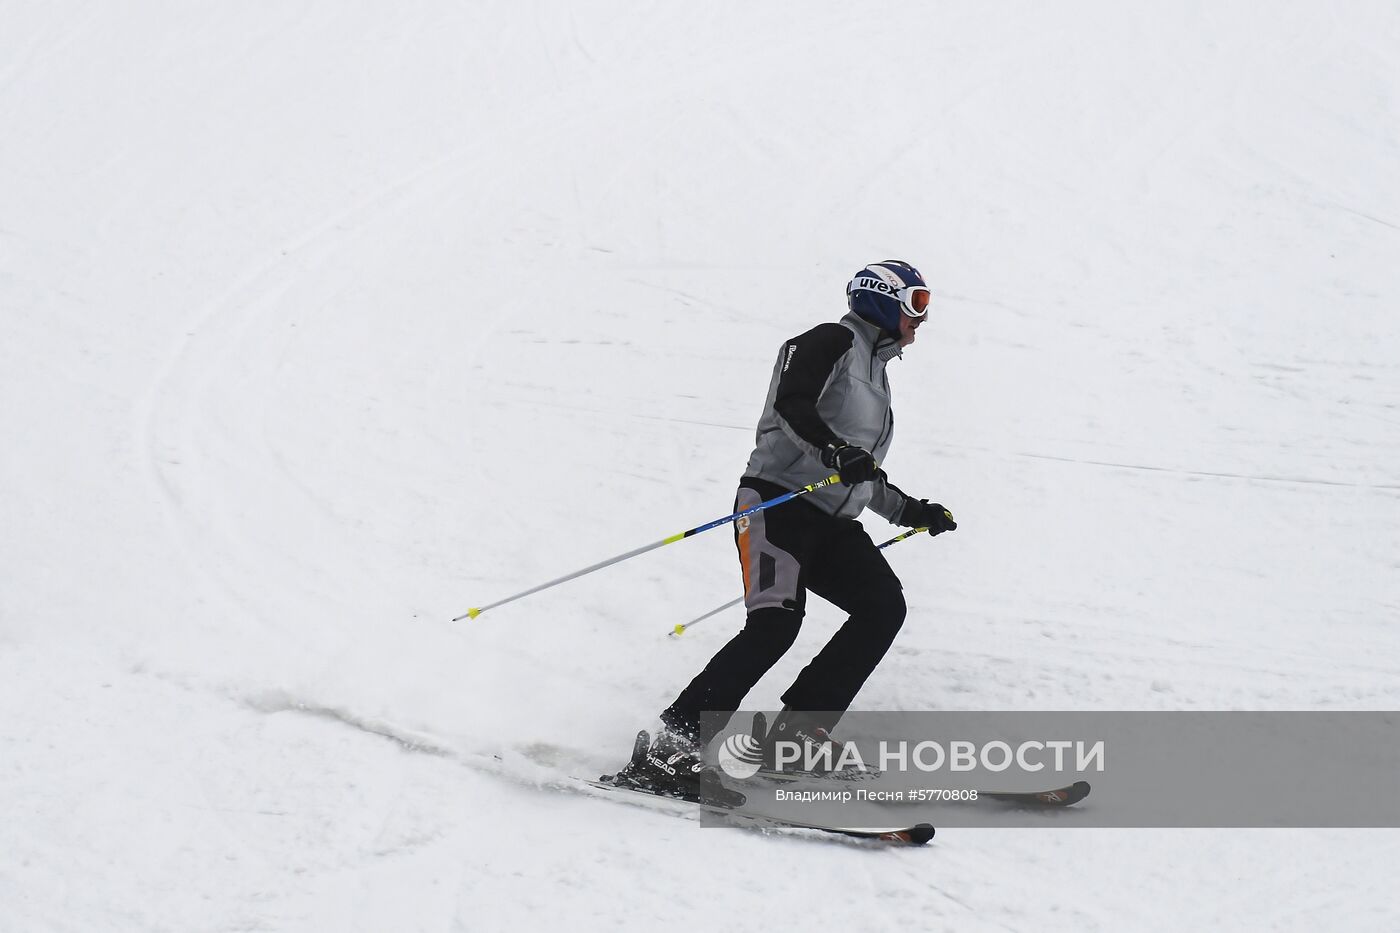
323	322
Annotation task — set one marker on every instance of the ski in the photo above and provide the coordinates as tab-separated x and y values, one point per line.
916	835
852	776
717	799
1059	797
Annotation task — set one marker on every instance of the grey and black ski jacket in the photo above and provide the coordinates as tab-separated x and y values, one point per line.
829	387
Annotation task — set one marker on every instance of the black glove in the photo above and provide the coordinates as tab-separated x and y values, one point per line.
920	513
853	463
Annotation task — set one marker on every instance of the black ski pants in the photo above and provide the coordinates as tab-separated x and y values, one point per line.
786	551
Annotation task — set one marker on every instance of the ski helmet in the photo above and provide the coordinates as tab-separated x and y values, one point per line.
883	292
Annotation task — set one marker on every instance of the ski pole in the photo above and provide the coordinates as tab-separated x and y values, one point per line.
777	500
679	630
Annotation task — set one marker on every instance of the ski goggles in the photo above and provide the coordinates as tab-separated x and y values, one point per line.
913	299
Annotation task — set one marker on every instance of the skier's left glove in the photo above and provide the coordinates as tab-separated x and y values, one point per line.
920	513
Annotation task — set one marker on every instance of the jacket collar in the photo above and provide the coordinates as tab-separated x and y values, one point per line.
888	350
883	346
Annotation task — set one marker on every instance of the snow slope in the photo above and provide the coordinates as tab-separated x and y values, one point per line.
320	323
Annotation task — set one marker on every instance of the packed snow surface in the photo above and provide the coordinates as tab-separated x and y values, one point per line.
321	323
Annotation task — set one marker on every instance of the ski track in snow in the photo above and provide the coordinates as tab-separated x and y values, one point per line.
322	325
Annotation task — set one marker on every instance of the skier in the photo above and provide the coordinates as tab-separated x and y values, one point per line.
828	409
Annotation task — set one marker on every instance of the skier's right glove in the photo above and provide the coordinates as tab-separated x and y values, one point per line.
853	463
920	513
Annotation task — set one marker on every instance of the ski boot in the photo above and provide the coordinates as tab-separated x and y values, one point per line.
821	755
673	766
